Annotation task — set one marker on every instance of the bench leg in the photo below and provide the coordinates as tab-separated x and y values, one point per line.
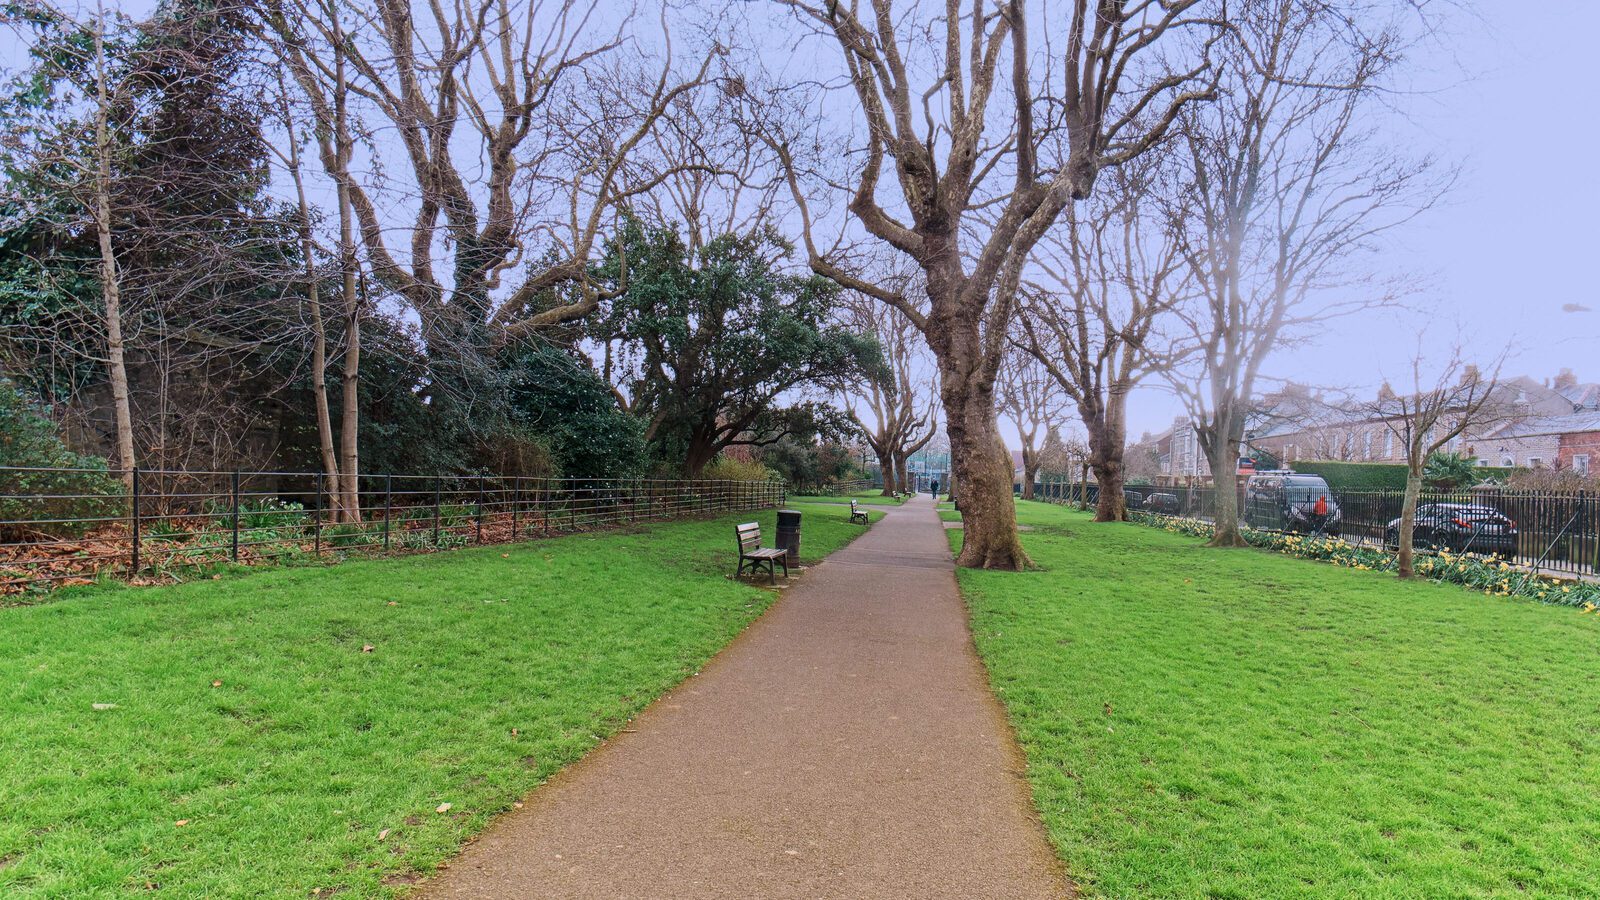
785	563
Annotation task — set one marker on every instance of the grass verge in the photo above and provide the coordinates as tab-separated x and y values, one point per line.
872	496
1204	723
341	728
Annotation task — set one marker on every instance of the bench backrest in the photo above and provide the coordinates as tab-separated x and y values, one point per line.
853	506
749	535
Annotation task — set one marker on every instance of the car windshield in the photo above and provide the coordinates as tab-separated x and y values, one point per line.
1304	490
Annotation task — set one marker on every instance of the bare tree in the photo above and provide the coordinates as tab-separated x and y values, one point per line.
1285	186
110	288
1442	405
1034	404
1097	321
929	84
519	146
897	415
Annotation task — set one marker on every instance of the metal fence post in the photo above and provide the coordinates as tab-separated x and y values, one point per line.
479	536
516	504
316	521
236	515
436	511
134	562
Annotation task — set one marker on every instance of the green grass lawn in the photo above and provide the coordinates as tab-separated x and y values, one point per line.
251	710
1205	723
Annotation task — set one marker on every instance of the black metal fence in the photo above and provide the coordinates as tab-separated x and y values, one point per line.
74	525
1555	531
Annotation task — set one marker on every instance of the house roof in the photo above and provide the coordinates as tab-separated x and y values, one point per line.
1583	396
1574	423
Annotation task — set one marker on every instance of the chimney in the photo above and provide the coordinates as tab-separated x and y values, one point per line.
1385	393
1470	375
1566	380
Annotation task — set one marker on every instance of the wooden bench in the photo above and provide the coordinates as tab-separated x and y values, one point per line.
754	555
857	514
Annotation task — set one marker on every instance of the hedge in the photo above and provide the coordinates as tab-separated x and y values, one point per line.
1358	476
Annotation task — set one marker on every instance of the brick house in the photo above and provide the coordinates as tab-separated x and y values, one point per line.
1542	418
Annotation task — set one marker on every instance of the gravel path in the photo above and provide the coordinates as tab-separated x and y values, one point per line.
846	745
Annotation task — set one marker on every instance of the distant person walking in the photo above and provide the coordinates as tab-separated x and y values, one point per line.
935	489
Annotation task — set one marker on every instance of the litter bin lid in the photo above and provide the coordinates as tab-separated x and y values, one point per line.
788	517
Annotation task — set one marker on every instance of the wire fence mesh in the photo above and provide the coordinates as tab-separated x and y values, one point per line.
72	526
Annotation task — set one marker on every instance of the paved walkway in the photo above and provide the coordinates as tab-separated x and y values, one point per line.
846	745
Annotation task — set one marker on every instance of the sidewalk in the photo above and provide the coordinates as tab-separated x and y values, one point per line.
846	745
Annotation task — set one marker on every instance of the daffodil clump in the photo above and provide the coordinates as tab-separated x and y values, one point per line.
1489	574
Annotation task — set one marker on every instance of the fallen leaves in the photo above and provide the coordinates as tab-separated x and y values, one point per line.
383	834
367	648
442	808
102	707
180	823
217	683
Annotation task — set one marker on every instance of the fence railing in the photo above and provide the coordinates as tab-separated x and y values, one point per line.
67	526
1555	531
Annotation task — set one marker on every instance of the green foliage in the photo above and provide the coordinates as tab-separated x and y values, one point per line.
807	465
560	401
1449	471
1360	476
28	440
1221	723
729	469
715	339
490	671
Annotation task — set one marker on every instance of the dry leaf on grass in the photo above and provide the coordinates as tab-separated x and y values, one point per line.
442	808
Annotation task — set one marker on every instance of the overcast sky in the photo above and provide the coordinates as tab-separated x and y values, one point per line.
1509	96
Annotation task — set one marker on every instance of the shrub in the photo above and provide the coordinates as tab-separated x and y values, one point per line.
726	468
1363	476
63	501
1450	471
1490	574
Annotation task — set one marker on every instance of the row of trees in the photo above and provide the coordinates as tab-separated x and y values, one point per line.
489	232
327	234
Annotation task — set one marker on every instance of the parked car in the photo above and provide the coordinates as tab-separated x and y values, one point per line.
1459	527
1132	499
1166	504
1291	501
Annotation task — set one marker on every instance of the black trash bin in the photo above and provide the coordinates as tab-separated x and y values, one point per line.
788	538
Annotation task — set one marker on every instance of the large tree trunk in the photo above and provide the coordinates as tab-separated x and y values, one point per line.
1108	436
1030	471
891	476
902	470
981	464
116	363
1111	505
1408	520
1226	478
702	451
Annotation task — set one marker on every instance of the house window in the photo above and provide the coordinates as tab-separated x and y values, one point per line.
1535	462
1508	461
1366	446
1388	445
1580	463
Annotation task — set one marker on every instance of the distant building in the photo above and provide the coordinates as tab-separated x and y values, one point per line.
1542	425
